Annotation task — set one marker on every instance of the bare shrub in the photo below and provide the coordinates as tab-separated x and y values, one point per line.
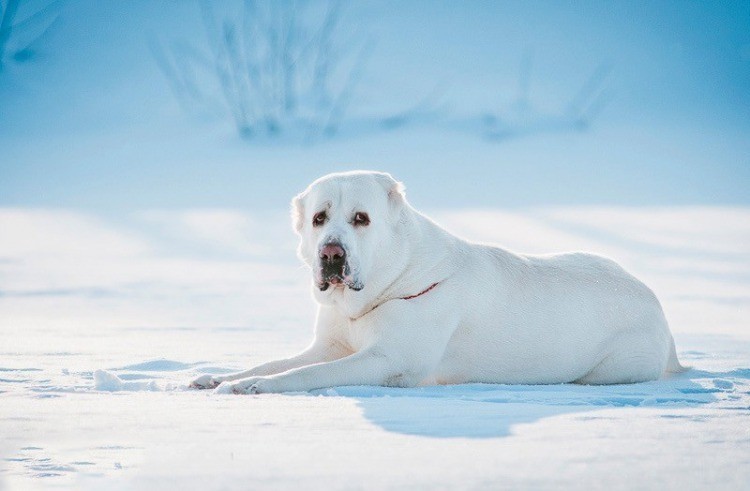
274	66
19	37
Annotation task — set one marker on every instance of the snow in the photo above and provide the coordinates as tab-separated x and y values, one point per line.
100	339
141	247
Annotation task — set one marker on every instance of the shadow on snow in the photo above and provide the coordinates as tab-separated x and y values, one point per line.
491	410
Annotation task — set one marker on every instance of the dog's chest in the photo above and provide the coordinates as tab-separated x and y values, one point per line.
356	334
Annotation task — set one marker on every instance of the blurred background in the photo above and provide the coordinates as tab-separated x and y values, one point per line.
164	104
149	149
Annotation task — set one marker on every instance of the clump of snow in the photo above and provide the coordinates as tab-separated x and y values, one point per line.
108	381
723	384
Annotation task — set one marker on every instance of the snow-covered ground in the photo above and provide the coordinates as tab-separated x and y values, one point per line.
105	320
142	244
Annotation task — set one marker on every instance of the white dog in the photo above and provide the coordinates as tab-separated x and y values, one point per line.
405	303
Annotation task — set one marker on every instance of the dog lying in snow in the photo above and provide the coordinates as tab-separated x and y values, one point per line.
405	303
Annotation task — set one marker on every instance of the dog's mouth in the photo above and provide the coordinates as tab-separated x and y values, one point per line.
338	279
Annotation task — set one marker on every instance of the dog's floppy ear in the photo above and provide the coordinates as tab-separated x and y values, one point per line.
298	212
397	192
395	189
396	197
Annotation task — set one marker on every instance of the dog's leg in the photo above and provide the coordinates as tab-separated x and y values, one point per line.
362	368
324	348
316	353
405	347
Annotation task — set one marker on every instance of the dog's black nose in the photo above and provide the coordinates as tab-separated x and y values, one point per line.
332	253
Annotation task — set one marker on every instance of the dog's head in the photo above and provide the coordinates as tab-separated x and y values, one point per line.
349	226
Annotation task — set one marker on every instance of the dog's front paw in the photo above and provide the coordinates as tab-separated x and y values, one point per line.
206	382
254	385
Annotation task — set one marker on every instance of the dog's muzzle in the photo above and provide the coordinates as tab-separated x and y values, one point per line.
334	267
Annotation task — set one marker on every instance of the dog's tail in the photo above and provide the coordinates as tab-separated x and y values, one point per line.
673	364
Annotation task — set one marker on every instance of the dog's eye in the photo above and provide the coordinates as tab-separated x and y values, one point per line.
361	219
319	219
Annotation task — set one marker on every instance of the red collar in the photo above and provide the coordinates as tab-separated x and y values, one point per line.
421	293
400	298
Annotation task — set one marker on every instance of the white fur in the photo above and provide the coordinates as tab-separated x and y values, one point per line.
494	316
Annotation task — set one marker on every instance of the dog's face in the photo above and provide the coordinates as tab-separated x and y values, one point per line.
348	226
